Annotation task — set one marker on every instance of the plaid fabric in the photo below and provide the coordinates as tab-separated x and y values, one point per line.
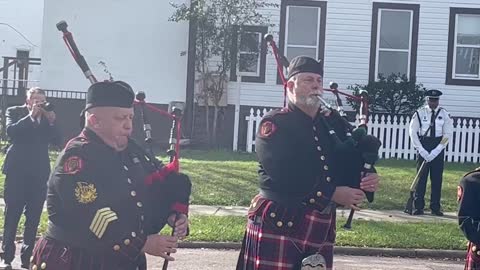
266	247
472	261
51	254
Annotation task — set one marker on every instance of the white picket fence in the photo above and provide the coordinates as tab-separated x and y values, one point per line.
393	132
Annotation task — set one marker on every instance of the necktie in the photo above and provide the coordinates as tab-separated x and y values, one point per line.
432	124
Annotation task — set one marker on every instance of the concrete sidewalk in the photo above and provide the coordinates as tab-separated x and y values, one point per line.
365	214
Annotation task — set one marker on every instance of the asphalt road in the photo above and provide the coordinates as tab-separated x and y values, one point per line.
210	259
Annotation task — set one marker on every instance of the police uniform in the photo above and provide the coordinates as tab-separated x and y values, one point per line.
469	216
100	208
293	216
427	129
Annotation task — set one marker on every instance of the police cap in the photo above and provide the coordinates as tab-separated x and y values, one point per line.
433	94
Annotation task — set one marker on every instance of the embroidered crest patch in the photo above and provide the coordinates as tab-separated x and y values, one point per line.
85	193
267	129
73	165
459	193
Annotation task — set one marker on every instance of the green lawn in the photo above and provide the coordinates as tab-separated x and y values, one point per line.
228	178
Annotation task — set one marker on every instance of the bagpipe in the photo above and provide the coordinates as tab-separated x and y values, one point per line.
355	151
169	190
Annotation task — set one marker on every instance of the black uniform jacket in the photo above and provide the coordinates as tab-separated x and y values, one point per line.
97	199
294	152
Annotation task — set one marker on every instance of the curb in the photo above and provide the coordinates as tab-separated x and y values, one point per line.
354	251
339	250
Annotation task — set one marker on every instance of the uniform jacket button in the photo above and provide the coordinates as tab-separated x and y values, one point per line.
319	194
134	234
290	224
273	215
279	224
43	266
34	267
116	247
133	193
312	200
126	242
139	204
474	248
329	179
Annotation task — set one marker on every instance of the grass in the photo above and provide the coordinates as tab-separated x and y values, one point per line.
363	234
229	178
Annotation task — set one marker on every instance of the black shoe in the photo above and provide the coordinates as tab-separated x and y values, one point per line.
5	266
418	212
437	213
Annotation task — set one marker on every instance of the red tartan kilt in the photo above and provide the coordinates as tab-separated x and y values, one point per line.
472	261
268	247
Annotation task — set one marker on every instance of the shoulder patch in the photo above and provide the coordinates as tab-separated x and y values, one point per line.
73	165
459	193
267	129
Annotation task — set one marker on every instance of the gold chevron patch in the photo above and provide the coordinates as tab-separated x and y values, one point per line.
102	219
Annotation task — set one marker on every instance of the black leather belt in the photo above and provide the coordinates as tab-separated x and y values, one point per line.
282	198
72	239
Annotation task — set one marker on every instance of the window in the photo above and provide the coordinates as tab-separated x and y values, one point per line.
249	54
250	51
463	47
394	40
302	28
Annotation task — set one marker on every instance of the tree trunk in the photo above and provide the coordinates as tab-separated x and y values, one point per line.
207	121
214	129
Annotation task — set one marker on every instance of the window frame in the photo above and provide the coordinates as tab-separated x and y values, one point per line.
251	74
451	78
322	20
375	41
260	78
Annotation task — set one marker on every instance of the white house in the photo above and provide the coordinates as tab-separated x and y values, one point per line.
21	31
436	41
134	39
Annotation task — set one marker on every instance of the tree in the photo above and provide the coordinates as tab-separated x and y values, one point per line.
216	23
393	95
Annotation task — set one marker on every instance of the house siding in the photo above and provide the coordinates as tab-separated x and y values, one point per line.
135	40
24	16
347	54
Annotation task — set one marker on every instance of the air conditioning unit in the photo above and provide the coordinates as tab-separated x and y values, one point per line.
211	80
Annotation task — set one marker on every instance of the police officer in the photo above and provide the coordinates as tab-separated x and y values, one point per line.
100	211
428	126
293	217
31	128
468	195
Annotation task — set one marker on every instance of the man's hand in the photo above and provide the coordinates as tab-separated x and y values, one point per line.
181	225
424	153
36	111
160	245
370	182
348	196
51	116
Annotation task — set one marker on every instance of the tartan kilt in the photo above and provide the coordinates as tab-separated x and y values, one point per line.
472	261
268	247
52	254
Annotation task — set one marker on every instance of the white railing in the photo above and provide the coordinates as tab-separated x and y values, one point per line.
393	132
